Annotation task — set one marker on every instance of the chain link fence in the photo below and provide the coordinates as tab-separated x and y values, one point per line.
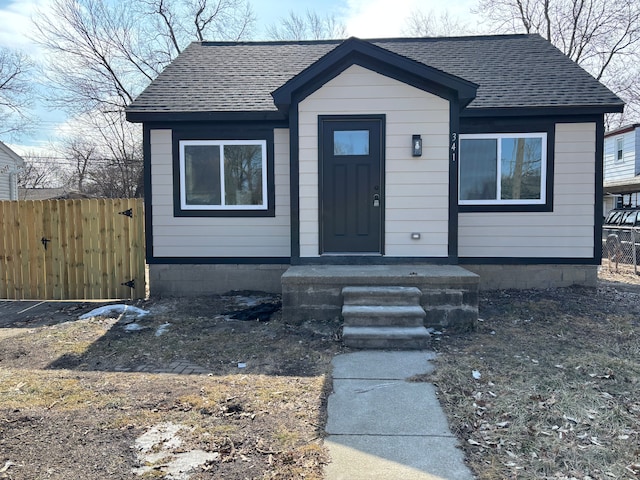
621	249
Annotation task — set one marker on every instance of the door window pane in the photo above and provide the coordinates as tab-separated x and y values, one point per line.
478	169
351	142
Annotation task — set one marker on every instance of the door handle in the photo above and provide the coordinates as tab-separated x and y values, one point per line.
376	200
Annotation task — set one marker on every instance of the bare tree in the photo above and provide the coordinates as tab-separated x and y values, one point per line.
429	24
103	156
120	175
15	91
39	171
80	154
603	36
102	53
175	23
310	26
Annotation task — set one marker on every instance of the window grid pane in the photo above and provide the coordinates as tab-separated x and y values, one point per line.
478	169
243	175
521	168
202	175
619	149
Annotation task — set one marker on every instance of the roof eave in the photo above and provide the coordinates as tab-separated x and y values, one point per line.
539	111
622	186
135	116
621	130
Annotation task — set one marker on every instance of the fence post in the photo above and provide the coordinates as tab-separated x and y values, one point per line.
633	243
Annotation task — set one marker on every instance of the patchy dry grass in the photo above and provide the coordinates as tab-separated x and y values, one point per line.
558	393
67	411
52	423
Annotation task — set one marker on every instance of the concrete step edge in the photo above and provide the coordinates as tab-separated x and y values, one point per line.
381	295
391	289
379	322
384	338
390	310
385	332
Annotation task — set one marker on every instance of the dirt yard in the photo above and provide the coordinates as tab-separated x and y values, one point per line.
90	398
548	386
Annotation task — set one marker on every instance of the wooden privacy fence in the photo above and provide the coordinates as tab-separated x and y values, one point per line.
72	249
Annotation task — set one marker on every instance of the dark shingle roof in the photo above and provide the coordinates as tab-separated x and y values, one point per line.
512	71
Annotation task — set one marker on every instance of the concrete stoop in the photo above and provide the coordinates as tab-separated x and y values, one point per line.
397	301
383	317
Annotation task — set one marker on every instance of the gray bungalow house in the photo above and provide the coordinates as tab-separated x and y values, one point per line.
349	158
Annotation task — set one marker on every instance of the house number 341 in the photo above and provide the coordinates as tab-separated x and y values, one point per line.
454	145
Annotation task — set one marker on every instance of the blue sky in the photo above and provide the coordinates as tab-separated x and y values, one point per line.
363	18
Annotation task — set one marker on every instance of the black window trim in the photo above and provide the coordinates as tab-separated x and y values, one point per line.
216	133
500	136
497	127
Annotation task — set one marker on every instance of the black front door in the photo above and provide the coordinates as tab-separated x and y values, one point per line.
351	185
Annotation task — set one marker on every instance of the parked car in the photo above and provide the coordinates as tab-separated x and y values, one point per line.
621	229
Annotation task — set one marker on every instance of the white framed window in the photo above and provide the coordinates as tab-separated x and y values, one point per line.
502	169
619	149
223	175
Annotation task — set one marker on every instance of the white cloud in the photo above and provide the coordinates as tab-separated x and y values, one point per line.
42	150
17	25
378	18
388	18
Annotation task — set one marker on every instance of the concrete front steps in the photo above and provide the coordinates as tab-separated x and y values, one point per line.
448	294
380	317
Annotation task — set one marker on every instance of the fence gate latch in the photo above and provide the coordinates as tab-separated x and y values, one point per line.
131	284
44	241
128	213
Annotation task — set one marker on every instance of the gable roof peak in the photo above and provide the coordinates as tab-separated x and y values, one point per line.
355	51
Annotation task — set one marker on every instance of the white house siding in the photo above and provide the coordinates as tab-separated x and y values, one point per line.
5	190
565	232
417	192
217	236
636	150
614	169
8	177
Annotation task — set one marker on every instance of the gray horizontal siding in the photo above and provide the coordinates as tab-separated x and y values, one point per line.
416	189
565	232
217	236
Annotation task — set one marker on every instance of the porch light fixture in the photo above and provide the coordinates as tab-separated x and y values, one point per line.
416	142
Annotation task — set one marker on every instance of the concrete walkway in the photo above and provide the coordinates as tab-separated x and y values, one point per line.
383	427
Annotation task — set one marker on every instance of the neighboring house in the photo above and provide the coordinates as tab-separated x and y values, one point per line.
484	152
622	168
54	193
10	163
